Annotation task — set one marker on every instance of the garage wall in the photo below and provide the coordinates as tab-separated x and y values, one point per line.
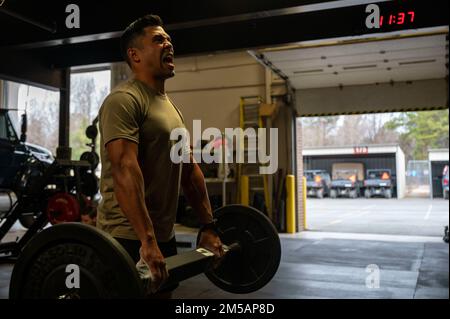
282	123
302	212
209	87
417	95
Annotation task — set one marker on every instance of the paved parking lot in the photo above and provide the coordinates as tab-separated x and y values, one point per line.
412	217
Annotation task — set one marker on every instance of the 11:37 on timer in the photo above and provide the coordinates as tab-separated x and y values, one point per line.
397	18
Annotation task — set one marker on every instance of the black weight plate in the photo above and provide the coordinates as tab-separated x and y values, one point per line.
90	157
89	184
106	270
255	264
91	132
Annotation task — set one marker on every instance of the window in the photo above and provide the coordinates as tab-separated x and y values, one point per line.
42	108
87	92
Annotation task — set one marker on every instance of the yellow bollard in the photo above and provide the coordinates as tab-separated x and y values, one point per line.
290	204
244	190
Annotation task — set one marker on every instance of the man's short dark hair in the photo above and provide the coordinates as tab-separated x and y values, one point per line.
136	29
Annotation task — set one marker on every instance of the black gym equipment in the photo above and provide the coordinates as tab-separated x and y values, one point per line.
250	240
59	191
91	156
38	187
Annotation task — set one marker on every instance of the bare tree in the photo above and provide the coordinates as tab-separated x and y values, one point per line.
319	131
349	133
43	123
347	130
86	99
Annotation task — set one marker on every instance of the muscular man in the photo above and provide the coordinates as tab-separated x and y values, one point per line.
139	182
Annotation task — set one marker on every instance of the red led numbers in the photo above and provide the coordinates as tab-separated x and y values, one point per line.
398	18
401	18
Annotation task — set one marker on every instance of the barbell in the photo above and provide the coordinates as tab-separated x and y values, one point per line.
252	257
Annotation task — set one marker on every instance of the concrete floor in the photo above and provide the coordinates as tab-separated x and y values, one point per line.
326	267
403	238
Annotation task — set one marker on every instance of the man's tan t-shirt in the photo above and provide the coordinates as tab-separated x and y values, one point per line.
135	112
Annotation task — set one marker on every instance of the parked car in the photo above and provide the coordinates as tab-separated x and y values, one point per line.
378	182
445	181
14	151
318	183
18	159
347	180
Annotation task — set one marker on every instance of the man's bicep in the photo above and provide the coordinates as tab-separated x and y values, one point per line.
122	151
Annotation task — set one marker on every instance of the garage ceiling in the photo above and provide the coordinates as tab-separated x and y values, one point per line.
43	45
407	59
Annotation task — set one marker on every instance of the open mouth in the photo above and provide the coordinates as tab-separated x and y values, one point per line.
168	60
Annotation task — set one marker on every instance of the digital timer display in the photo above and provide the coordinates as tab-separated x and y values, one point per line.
399	18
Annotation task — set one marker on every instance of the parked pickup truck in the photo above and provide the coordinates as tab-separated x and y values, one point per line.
318	183
18	156
378	182
347	180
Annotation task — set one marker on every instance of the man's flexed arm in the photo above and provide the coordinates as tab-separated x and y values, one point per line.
129	191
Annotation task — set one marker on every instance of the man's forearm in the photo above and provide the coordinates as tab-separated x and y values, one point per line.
129	190
194	189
